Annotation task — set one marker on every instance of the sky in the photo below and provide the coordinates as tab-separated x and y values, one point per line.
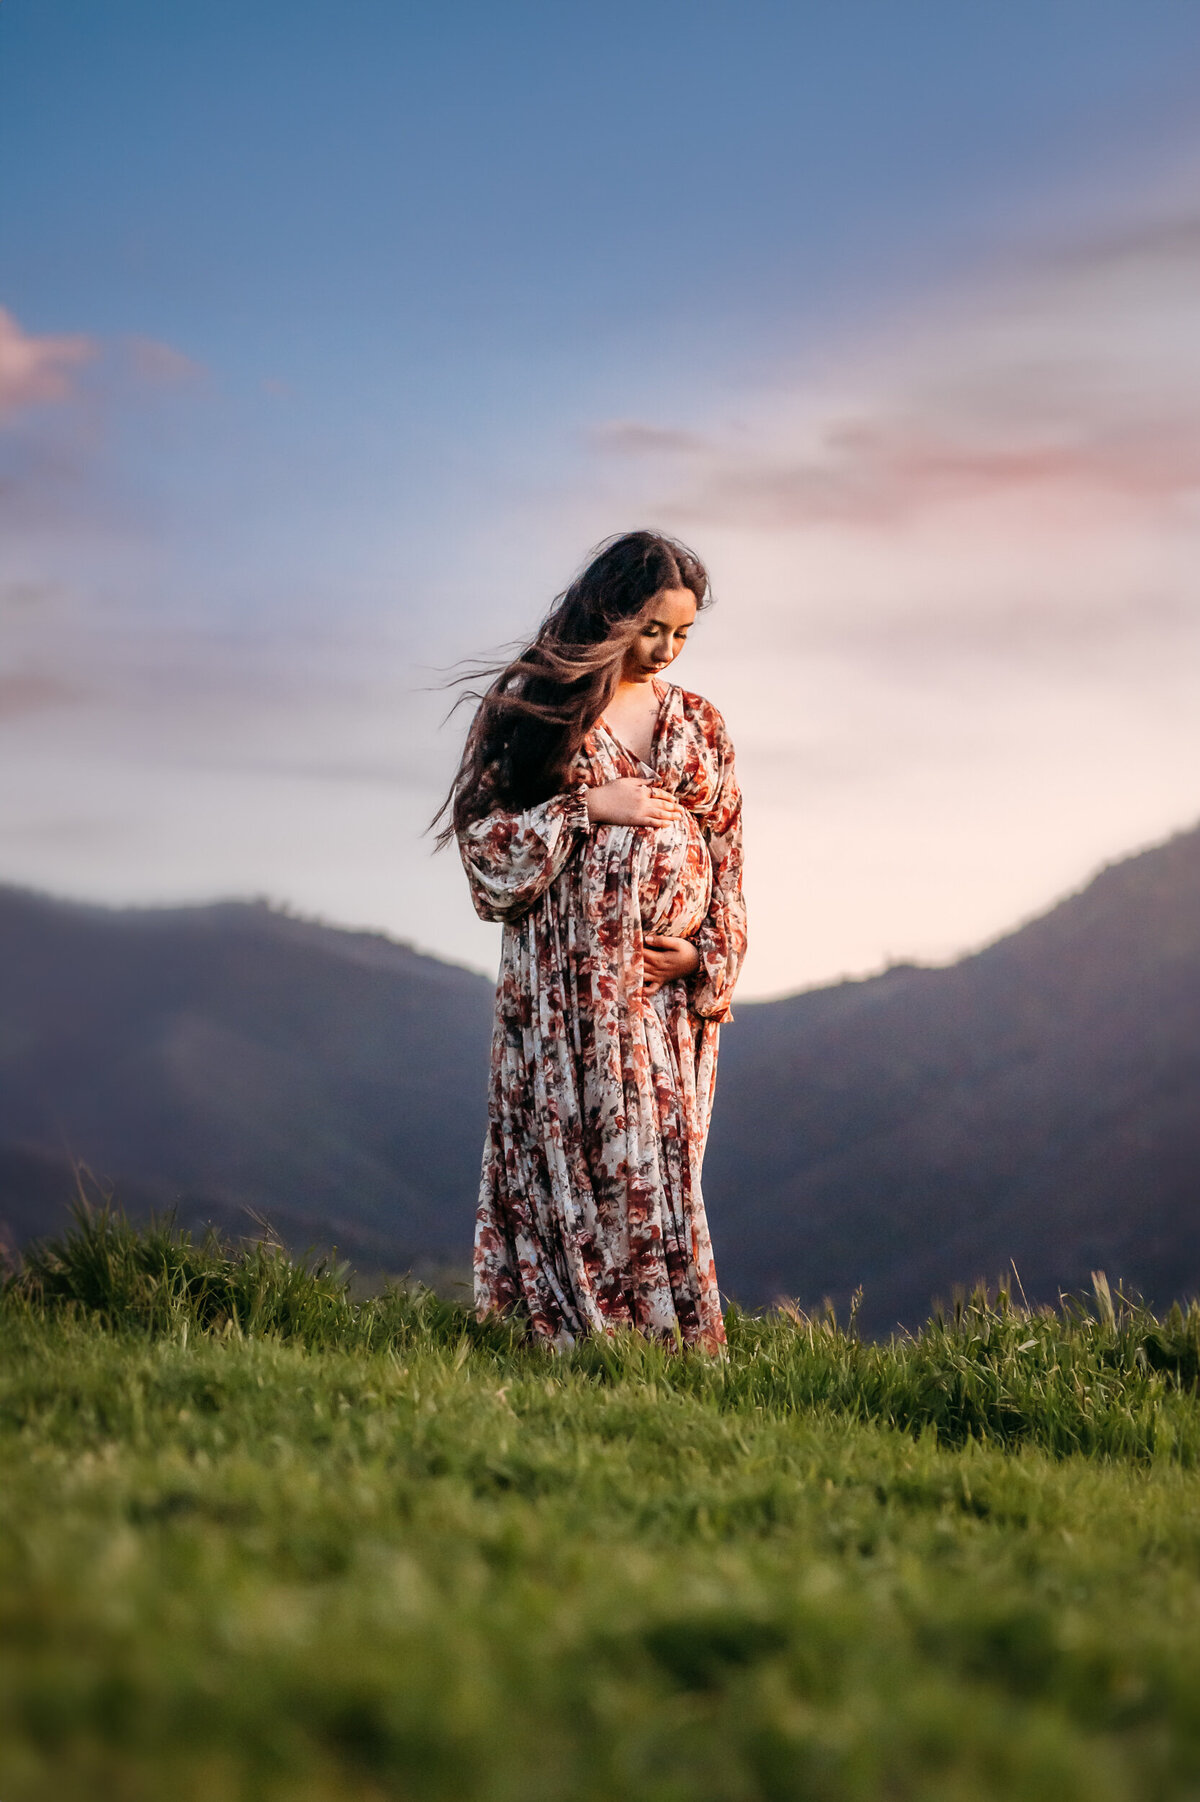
332	338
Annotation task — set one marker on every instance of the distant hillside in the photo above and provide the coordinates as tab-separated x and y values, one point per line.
1039	1101
232	1057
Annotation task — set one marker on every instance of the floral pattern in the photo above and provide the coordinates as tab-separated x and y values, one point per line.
590	1208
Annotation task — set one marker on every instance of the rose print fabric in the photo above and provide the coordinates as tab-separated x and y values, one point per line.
590	1208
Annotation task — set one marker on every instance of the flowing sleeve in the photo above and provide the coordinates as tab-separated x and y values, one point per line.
721	938
512	858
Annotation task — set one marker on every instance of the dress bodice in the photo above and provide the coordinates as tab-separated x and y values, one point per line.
669	865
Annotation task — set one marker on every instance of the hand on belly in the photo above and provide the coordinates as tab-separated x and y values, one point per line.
664	958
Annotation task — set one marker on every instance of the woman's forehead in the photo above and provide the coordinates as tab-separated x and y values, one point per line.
671	607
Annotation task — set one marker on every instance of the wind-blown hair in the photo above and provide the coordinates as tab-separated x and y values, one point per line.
537	710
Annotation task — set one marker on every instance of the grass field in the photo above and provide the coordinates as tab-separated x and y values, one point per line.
260	1541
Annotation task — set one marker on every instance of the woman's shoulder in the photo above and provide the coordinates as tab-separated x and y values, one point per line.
701	712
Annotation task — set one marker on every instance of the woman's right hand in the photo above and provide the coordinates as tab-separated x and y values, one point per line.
630	801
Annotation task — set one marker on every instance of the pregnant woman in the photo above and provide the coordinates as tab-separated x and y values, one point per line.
598	816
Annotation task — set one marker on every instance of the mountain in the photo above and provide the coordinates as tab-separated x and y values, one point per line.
1038	1101
231	1057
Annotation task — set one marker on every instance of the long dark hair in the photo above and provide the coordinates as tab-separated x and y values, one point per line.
537	710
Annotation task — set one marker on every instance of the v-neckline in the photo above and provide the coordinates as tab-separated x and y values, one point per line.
662	690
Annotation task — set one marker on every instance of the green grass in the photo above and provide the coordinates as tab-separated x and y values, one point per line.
261	1541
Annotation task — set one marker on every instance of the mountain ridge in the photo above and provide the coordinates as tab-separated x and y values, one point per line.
970	1086
1036	1100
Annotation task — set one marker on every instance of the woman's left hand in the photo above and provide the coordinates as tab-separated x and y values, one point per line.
665	958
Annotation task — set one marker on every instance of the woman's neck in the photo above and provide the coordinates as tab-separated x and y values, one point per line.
639	685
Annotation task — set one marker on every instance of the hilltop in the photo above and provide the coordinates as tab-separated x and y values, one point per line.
258	1539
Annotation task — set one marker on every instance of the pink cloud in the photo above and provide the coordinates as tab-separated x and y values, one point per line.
31	692
1067	380
34	370
891	470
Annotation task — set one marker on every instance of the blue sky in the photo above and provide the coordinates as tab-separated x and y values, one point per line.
335	336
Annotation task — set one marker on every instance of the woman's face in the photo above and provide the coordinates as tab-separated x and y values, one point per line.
666	621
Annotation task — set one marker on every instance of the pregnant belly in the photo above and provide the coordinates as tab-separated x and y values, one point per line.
674	878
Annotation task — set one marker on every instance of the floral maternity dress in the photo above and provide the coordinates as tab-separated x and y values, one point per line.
590	1210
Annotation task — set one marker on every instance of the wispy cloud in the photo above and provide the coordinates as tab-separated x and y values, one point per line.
1071	380
635	438
37	369
34	692
64	403
160	365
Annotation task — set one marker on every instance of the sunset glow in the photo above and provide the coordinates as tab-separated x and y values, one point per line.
287	428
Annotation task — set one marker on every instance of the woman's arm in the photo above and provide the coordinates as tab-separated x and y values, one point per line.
721	937
512	858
